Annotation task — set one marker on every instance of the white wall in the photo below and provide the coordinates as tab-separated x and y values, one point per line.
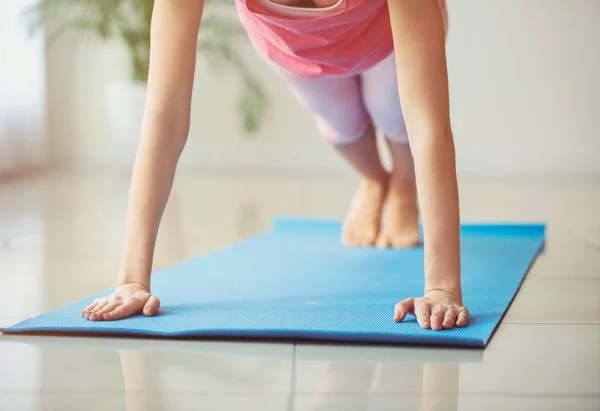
23	138
525	90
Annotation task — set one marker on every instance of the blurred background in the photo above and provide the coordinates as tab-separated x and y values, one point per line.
524	83
525	95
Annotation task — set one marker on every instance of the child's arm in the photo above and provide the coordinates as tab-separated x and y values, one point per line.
419	43
174	36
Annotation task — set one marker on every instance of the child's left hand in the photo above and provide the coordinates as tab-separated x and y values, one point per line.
437	310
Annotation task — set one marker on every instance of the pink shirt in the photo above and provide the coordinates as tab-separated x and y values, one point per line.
346	38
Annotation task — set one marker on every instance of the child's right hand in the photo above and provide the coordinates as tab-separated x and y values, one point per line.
127	300
164	131
436	310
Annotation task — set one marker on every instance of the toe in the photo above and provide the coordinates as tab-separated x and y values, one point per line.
405	240
383	241
348	237
348	240
370	236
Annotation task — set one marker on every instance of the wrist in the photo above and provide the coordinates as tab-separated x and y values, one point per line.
131	273
455	293
447	281
444	275
136	265
127	280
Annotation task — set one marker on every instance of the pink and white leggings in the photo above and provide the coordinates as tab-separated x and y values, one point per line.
345	107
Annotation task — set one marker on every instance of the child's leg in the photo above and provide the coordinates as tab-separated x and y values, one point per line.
401	217
345	123
363	221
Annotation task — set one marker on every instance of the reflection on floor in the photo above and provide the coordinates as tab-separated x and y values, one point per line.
60	238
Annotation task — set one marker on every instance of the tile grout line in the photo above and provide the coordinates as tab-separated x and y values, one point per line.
559	279
292	395
590	244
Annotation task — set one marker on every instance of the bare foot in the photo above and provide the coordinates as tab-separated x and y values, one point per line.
401	216
127	300
363	221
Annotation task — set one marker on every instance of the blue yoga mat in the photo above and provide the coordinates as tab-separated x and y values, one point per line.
297	282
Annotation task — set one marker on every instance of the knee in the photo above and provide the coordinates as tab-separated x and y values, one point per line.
399	136
342	133
390	122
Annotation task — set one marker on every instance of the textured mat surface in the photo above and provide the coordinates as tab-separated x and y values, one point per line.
297	282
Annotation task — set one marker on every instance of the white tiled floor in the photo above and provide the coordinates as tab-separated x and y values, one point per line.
60	238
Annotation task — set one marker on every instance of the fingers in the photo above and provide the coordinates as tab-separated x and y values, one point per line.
450	318
403	308
100	306
93	305
116	308
87	311
463	317
99	315
437	316
432	315
151	307
131	307
126	309
97	305
423	314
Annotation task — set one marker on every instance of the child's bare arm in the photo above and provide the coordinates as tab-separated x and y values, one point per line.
419	42
166	121
174	36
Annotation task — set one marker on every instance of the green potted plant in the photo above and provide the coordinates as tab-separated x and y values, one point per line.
129	21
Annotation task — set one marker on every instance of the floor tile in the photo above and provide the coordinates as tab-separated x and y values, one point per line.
131	401
9	322
381	354
537	360
425	403
28	295
355	370
521	359
22	296
59	366
577	264
357	402
60	241
239	349
556	302
550	403
208	368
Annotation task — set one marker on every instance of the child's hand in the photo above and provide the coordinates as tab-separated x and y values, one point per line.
437	310
127	300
